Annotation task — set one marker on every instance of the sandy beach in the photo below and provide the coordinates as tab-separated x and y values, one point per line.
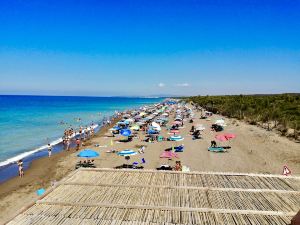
254	150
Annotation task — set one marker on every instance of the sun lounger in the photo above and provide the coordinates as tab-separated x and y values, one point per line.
216	149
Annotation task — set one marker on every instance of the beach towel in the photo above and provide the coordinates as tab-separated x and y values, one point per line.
168	154
216	149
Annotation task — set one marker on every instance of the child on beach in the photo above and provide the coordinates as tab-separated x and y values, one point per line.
178	166
49	150
20	166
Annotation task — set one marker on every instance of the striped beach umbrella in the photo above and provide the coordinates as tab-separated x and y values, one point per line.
174	131
127	152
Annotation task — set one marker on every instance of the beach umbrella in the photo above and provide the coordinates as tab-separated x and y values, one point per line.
156	126
126	116
169	155
176	122
174	131
40	191
125	132
140	123
220	122
88	153
137	117
176	138
127	152
128	121
225	137
142	114
135	127
152	132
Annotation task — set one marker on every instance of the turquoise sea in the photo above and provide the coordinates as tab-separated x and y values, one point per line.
28	123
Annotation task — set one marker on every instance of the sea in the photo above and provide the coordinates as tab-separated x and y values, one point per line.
29	123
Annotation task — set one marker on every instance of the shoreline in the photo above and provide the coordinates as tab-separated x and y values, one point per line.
16	148
10	169
41	174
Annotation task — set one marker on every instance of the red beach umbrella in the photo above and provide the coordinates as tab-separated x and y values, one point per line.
174	131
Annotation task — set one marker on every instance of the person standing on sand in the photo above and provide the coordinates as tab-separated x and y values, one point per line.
49	150
80	132
67	143
77	144
20	165
92	131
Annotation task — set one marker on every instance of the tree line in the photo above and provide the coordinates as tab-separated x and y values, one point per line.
280	111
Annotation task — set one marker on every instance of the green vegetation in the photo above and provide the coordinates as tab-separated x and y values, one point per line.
281	112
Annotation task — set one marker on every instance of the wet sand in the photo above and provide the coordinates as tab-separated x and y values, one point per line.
254	150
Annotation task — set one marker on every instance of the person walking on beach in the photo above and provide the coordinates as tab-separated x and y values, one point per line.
49	150
77	144
20	166
80	132
66	143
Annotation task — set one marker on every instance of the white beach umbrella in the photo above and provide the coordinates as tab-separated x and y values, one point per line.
127	152
156	126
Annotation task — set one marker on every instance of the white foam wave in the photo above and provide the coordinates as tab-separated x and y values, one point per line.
26	154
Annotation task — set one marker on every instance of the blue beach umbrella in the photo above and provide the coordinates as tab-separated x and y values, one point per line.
88	153
40	191
125	132
152	132
127	152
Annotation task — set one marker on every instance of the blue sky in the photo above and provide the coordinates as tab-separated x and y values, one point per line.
139	47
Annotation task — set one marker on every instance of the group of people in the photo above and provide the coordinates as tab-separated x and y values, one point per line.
85	163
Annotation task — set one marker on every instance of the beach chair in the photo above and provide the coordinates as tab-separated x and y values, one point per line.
216	149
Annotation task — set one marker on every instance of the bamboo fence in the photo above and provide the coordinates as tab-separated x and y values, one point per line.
119	197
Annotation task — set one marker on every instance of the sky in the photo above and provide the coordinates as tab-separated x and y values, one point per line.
146	48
